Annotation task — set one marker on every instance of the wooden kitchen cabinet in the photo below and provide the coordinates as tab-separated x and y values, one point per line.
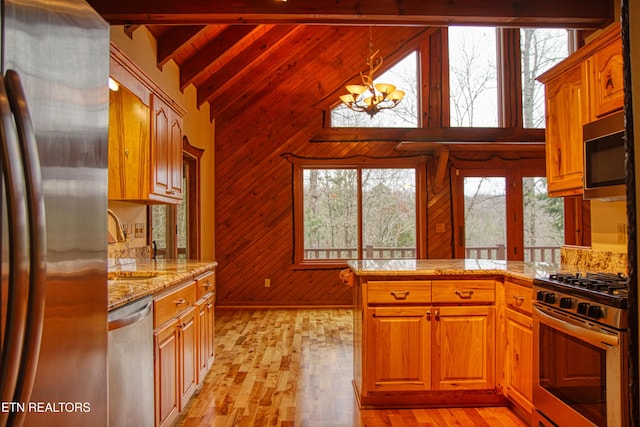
205	309
399	349
166	371
166	151
187	352
145	138
175	341
567	111
518	346
585	86
463	348
607	90
425	341
463	335
129	127
518	378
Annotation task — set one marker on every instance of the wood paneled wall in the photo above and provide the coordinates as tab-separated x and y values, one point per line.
276	109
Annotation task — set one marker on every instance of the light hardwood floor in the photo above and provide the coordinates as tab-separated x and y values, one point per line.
294	368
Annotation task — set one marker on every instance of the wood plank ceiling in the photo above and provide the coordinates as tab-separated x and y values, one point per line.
218	45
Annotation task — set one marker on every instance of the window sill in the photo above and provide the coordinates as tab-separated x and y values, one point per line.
336	265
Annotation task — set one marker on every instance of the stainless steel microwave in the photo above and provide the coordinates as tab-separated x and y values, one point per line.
604	158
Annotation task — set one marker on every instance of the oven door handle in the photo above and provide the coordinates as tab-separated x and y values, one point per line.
576	330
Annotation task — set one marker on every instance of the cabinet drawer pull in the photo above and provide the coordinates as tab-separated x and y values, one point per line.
464	294
207	285
180	301
400	294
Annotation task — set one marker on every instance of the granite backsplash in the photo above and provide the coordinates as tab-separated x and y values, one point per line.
119	254
587	259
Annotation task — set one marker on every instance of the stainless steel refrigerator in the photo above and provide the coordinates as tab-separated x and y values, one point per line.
54	114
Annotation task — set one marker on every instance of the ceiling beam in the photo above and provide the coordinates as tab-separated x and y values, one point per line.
440	135
200	63
503	13
240	64
171	41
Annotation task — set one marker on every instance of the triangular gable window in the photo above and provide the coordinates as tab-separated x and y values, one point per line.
404	75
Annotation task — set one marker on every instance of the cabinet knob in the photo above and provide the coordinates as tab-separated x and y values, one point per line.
428	314
437	316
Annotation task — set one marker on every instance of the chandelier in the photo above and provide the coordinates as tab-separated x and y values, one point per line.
370	97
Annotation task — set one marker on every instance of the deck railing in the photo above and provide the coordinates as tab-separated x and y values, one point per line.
531	253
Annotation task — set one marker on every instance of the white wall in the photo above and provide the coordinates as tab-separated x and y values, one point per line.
141	49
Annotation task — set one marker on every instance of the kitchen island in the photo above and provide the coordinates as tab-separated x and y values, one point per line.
449	332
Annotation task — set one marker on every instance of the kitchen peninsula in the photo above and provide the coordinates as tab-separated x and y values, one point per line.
443	332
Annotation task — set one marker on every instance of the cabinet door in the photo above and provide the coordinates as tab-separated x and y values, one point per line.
567	111
188	355
397	354
463	348
166	373
205	344
608	88
202	329
166	153
129	140
211	340
518	362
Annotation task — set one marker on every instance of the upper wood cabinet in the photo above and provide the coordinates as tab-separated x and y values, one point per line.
166	149
607	91
567	112
582	88
145	137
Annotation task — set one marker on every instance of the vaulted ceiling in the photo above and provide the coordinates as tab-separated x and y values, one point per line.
222	47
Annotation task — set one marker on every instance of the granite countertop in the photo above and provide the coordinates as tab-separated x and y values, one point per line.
128	282
456	267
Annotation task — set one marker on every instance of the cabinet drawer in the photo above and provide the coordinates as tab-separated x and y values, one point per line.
172	303
399	292
463	291
518	296
205	283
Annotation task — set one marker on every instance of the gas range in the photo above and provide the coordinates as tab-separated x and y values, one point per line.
599	297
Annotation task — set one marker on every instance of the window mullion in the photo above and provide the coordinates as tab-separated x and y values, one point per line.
360	231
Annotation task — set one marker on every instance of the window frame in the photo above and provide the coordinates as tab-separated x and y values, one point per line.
514	212
358	163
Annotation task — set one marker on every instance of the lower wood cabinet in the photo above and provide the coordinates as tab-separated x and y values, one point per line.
426	342
187	354
518	346
166	360
518	370
184	344
399	343
205	322
463	348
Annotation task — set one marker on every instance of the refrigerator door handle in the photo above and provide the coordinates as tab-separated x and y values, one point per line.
37	238
18	278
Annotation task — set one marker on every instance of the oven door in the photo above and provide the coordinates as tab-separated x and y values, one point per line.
580	377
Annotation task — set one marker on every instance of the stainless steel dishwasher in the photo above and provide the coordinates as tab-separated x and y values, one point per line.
131	401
